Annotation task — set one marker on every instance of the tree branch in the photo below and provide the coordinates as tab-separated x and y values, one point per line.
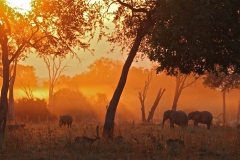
144	10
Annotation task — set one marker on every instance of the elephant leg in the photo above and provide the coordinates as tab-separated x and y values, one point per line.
208	126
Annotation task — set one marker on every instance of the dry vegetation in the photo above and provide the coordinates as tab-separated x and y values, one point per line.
47	141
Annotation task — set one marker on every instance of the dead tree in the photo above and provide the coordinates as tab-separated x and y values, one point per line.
155	104
142	96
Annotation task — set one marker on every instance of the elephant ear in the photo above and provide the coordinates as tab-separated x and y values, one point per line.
196	115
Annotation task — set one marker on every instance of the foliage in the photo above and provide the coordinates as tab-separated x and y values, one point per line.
69	101
129	18
196	36
26	78
33	110
222	82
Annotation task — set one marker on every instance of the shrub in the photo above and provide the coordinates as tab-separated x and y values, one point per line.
33	110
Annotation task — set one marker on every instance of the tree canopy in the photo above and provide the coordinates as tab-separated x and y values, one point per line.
196	36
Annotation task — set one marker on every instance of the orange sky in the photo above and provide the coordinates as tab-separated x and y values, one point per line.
101	50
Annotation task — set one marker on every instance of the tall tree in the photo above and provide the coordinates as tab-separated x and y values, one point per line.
180	85
186	36
133	20
196	36
55	69
11	112
4	30
224	83
54	26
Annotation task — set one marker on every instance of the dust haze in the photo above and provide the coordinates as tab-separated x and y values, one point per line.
87	95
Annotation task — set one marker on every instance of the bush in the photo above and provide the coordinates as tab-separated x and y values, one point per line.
33	110
68	101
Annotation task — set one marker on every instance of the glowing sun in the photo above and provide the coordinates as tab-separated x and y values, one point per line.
22	6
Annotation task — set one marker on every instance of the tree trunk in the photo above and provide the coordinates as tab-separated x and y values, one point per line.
224	107
238	112
5	84
50	97
11	113
142	96
180	81
111	111
155	104
142	108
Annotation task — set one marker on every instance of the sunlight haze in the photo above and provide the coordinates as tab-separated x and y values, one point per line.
22	6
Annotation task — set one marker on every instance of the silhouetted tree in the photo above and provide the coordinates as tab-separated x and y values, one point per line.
142	96
180	85
26	80
55	69
224	83
186	35
45	30
129	33
155	104
196	36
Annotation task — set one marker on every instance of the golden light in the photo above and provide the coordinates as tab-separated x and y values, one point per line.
22	6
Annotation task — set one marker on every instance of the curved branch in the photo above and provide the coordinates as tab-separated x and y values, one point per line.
131	7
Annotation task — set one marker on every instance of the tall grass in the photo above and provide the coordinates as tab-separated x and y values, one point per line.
47	141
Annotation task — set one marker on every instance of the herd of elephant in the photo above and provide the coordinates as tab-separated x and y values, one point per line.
179	118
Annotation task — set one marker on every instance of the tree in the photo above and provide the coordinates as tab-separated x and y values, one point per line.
196	36
73	102
4	100
142	96
133	21
180	85
224	83
55	69
177	34
26	80
11	112
155	104
44	29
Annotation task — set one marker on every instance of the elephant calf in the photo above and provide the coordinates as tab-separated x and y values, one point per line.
176	117
203	117
65	120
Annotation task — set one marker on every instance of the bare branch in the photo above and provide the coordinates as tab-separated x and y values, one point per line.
144	10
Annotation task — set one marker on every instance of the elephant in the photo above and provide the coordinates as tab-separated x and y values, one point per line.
203	117
176	117
65	120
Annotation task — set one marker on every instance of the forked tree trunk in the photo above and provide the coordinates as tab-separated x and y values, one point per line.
180	81
111	111
142	107
142	96
180	85
155	104
224	107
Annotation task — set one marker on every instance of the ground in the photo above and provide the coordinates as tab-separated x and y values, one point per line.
47	141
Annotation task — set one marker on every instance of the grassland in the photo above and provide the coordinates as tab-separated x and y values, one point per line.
47	141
